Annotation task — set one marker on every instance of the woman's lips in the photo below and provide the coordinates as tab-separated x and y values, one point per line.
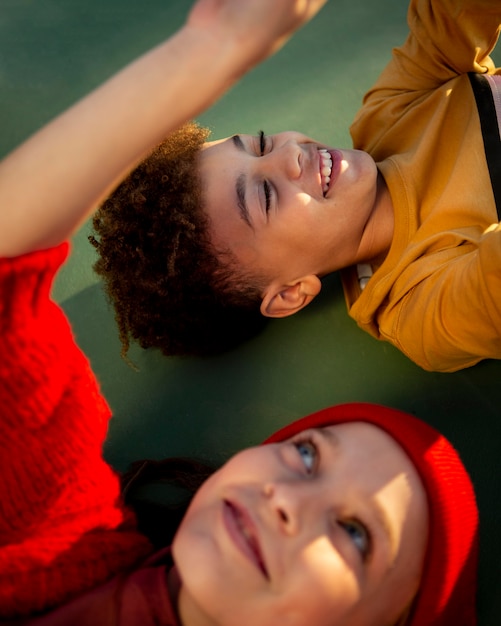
242	531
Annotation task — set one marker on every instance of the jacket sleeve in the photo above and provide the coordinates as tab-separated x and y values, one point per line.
450	319
446	38
63	528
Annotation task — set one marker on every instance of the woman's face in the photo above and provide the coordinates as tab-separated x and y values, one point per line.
327	528
269	201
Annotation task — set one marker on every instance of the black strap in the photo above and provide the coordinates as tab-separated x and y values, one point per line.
490	132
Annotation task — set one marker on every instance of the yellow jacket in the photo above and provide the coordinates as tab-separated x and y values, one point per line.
437	295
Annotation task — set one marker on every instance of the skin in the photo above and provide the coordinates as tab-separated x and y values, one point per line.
306	233
293	534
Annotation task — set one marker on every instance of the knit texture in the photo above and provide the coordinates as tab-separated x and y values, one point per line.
449	581
63	529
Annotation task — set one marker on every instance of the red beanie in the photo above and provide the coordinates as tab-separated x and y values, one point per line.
448	586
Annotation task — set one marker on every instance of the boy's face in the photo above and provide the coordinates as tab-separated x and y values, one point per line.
270	203
329	527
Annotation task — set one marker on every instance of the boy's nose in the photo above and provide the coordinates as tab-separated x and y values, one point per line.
286	159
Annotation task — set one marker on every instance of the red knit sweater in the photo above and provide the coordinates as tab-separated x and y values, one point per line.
63	529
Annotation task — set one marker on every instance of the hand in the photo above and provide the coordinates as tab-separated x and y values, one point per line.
253	29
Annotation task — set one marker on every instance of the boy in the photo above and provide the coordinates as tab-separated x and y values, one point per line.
215	237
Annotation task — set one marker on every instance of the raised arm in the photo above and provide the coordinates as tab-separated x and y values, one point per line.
50	184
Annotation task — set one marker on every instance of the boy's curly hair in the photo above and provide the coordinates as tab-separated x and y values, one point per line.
170	287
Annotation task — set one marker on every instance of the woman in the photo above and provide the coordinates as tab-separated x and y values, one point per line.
70	550
357	514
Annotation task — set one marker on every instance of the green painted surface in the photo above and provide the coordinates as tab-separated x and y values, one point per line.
54	51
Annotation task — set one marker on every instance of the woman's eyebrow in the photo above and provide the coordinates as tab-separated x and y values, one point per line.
331	438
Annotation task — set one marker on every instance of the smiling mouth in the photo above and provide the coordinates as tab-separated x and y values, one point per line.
325	170
242	531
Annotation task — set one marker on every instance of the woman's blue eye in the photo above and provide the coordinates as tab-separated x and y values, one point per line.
308	453
359	535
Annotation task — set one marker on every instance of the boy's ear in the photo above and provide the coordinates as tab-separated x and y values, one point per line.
282	300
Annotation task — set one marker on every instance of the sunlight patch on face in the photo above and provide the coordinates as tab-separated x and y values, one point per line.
400	508
330	565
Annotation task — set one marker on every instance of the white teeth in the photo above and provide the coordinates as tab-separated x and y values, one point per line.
325	168
245	532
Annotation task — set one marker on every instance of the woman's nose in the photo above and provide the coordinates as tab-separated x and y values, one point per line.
286	503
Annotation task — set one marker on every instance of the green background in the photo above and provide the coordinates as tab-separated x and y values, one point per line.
53	52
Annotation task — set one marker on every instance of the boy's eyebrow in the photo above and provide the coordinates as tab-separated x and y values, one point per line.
240	186
241	202
239	144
